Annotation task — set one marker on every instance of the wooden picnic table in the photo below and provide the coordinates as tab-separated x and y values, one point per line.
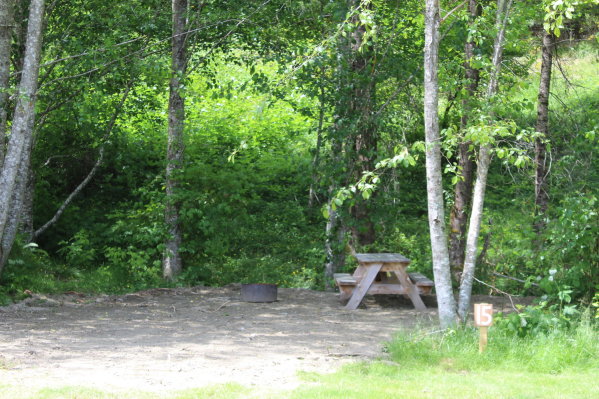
383	273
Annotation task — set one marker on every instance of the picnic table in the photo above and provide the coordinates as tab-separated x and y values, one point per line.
383	273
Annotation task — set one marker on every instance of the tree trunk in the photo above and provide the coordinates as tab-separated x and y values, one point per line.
316	160
335	229
436	213
363	133
6	27
458	218
22	124
335	255
484	160
172	265
18	202
482	170
26	222
541	169
365	147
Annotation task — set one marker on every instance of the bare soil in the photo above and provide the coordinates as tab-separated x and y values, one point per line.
173	339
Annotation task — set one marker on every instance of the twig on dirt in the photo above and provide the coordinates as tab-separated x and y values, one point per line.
217	309
221	306
500	291
344	355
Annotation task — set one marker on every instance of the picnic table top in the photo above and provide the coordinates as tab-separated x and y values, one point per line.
381	258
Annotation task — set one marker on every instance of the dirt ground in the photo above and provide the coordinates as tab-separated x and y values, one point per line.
173	339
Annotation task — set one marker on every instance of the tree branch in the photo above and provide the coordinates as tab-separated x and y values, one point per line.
454	10
92	172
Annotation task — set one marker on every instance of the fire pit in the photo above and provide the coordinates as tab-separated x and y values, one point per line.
259	292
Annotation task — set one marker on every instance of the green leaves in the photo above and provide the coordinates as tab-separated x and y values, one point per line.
558	12
370	180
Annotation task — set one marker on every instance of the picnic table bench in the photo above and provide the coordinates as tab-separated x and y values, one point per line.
383	273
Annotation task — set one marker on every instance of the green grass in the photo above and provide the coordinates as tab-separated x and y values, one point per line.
380	381
224	391
575	349
560	364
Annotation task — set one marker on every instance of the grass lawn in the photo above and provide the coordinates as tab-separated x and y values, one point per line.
372	380
380	381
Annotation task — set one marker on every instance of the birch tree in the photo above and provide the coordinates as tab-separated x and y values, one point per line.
16	163
482	169
434	184
6	27
450	312
171	264
458	218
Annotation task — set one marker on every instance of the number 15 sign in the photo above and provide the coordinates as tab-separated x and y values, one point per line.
483	319
483	314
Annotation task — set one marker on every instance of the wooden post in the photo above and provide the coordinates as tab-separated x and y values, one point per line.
483	319
482	340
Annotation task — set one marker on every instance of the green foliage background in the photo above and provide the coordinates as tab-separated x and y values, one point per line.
253	105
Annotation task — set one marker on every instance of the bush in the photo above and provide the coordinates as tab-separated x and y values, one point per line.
573	244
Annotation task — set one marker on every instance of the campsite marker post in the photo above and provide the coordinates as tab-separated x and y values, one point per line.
483	319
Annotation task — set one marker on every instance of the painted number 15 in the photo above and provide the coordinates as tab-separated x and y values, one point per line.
483	314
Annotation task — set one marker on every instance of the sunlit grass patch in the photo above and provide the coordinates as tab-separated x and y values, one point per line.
224	391
553	352
68	392
381	381
559	364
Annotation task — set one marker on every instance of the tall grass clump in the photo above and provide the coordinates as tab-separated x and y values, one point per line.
553	351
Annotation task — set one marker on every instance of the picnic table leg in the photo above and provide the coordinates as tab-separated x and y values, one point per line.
411	289
363	286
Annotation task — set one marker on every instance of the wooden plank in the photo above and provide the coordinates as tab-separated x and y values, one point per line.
345	292
381	258
420	279
360	271
386	289
392	289
345	279
363	286
337	275
411	290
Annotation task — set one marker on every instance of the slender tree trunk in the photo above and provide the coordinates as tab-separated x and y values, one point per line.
458	218
365	147
18	201
335	255
482	171
363	135
335	229
6	27
316	161
22	124
484	160
172	265
436	212
541	169
26	222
